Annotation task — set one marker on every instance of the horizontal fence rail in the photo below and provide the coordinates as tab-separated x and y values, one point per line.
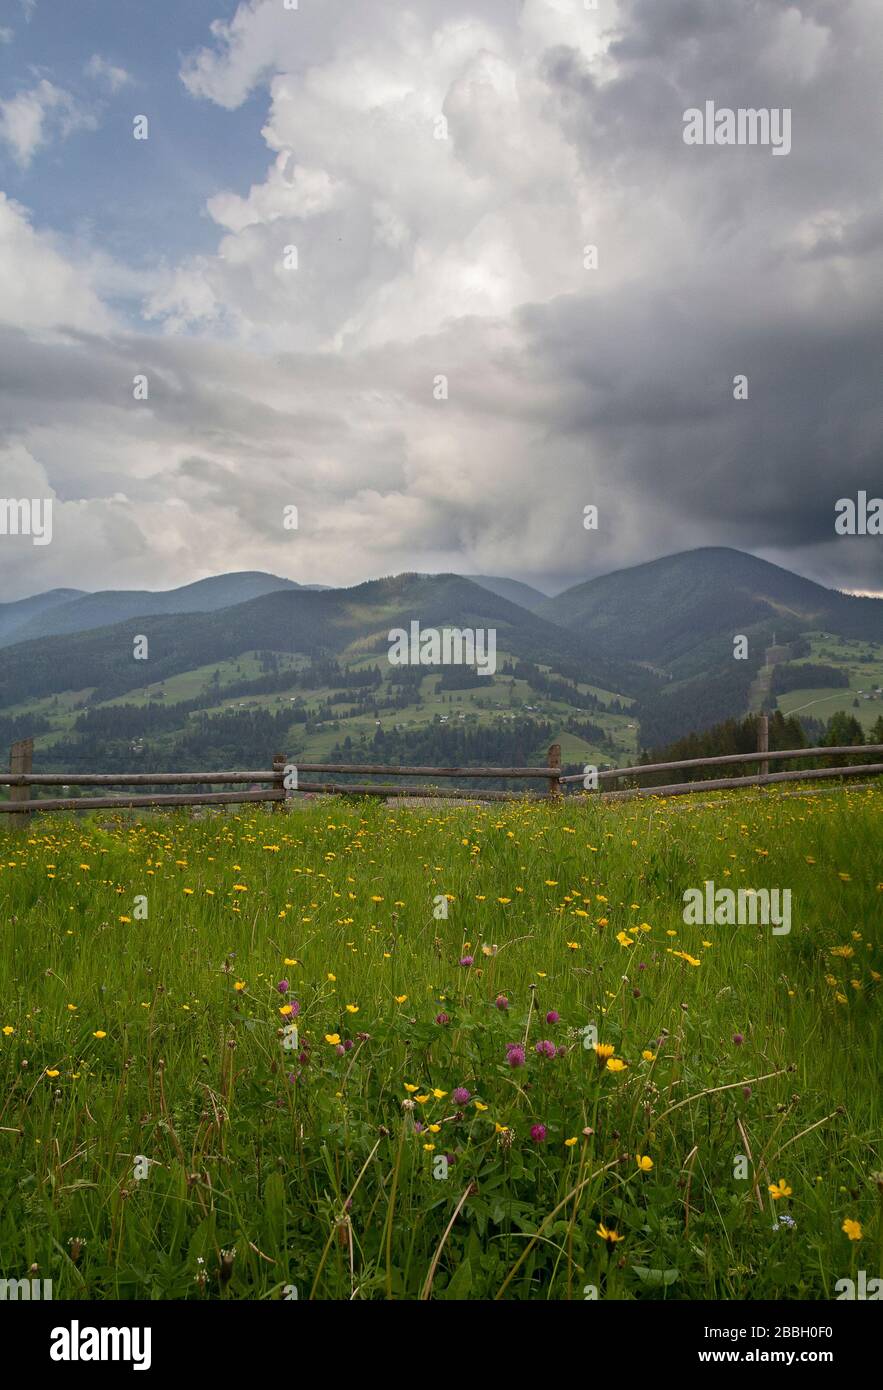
108	803
722	783
762	755
271	787
148	779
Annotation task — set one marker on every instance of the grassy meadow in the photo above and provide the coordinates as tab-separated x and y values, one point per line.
516	1072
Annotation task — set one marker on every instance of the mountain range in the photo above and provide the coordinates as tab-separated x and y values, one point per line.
659	636
73	610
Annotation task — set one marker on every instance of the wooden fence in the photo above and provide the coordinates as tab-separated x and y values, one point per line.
273	786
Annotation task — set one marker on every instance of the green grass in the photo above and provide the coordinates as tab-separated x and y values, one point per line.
129	1038
863	663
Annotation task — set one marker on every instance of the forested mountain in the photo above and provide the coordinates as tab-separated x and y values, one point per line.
312	623
15	617
663	611
74	611
522	594
635	660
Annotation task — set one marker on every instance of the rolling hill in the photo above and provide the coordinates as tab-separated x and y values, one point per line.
513	589
70	610
665	612
331	622
680	615
634	659
15	617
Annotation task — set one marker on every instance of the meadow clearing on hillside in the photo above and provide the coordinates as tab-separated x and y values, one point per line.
295	1076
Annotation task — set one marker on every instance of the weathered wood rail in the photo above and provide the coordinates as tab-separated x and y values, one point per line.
273	786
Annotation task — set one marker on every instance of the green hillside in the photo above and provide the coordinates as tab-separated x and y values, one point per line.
668	610
680	615
634	660
308	672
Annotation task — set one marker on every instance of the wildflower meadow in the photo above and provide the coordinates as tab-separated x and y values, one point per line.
358	1051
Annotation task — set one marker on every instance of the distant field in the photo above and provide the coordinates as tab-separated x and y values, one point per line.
865	675
498	697
161	1136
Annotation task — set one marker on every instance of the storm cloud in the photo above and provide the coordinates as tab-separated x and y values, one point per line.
440	378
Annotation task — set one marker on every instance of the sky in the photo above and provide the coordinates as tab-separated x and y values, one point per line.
348	265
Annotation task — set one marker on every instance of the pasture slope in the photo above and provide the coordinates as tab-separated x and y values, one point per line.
502	1018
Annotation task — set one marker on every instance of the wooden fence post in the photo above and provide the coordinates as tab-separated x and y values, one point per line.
279	761
763	741
555	788
21	759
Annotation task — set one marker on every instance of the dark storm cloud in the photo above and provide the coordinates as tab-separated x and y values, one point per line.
464	258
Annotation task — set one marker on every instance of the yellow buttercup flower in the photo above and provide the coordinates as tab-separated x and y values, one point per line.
611	1237
644	1162
332	1038
616	1064
779	1189
853	1229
